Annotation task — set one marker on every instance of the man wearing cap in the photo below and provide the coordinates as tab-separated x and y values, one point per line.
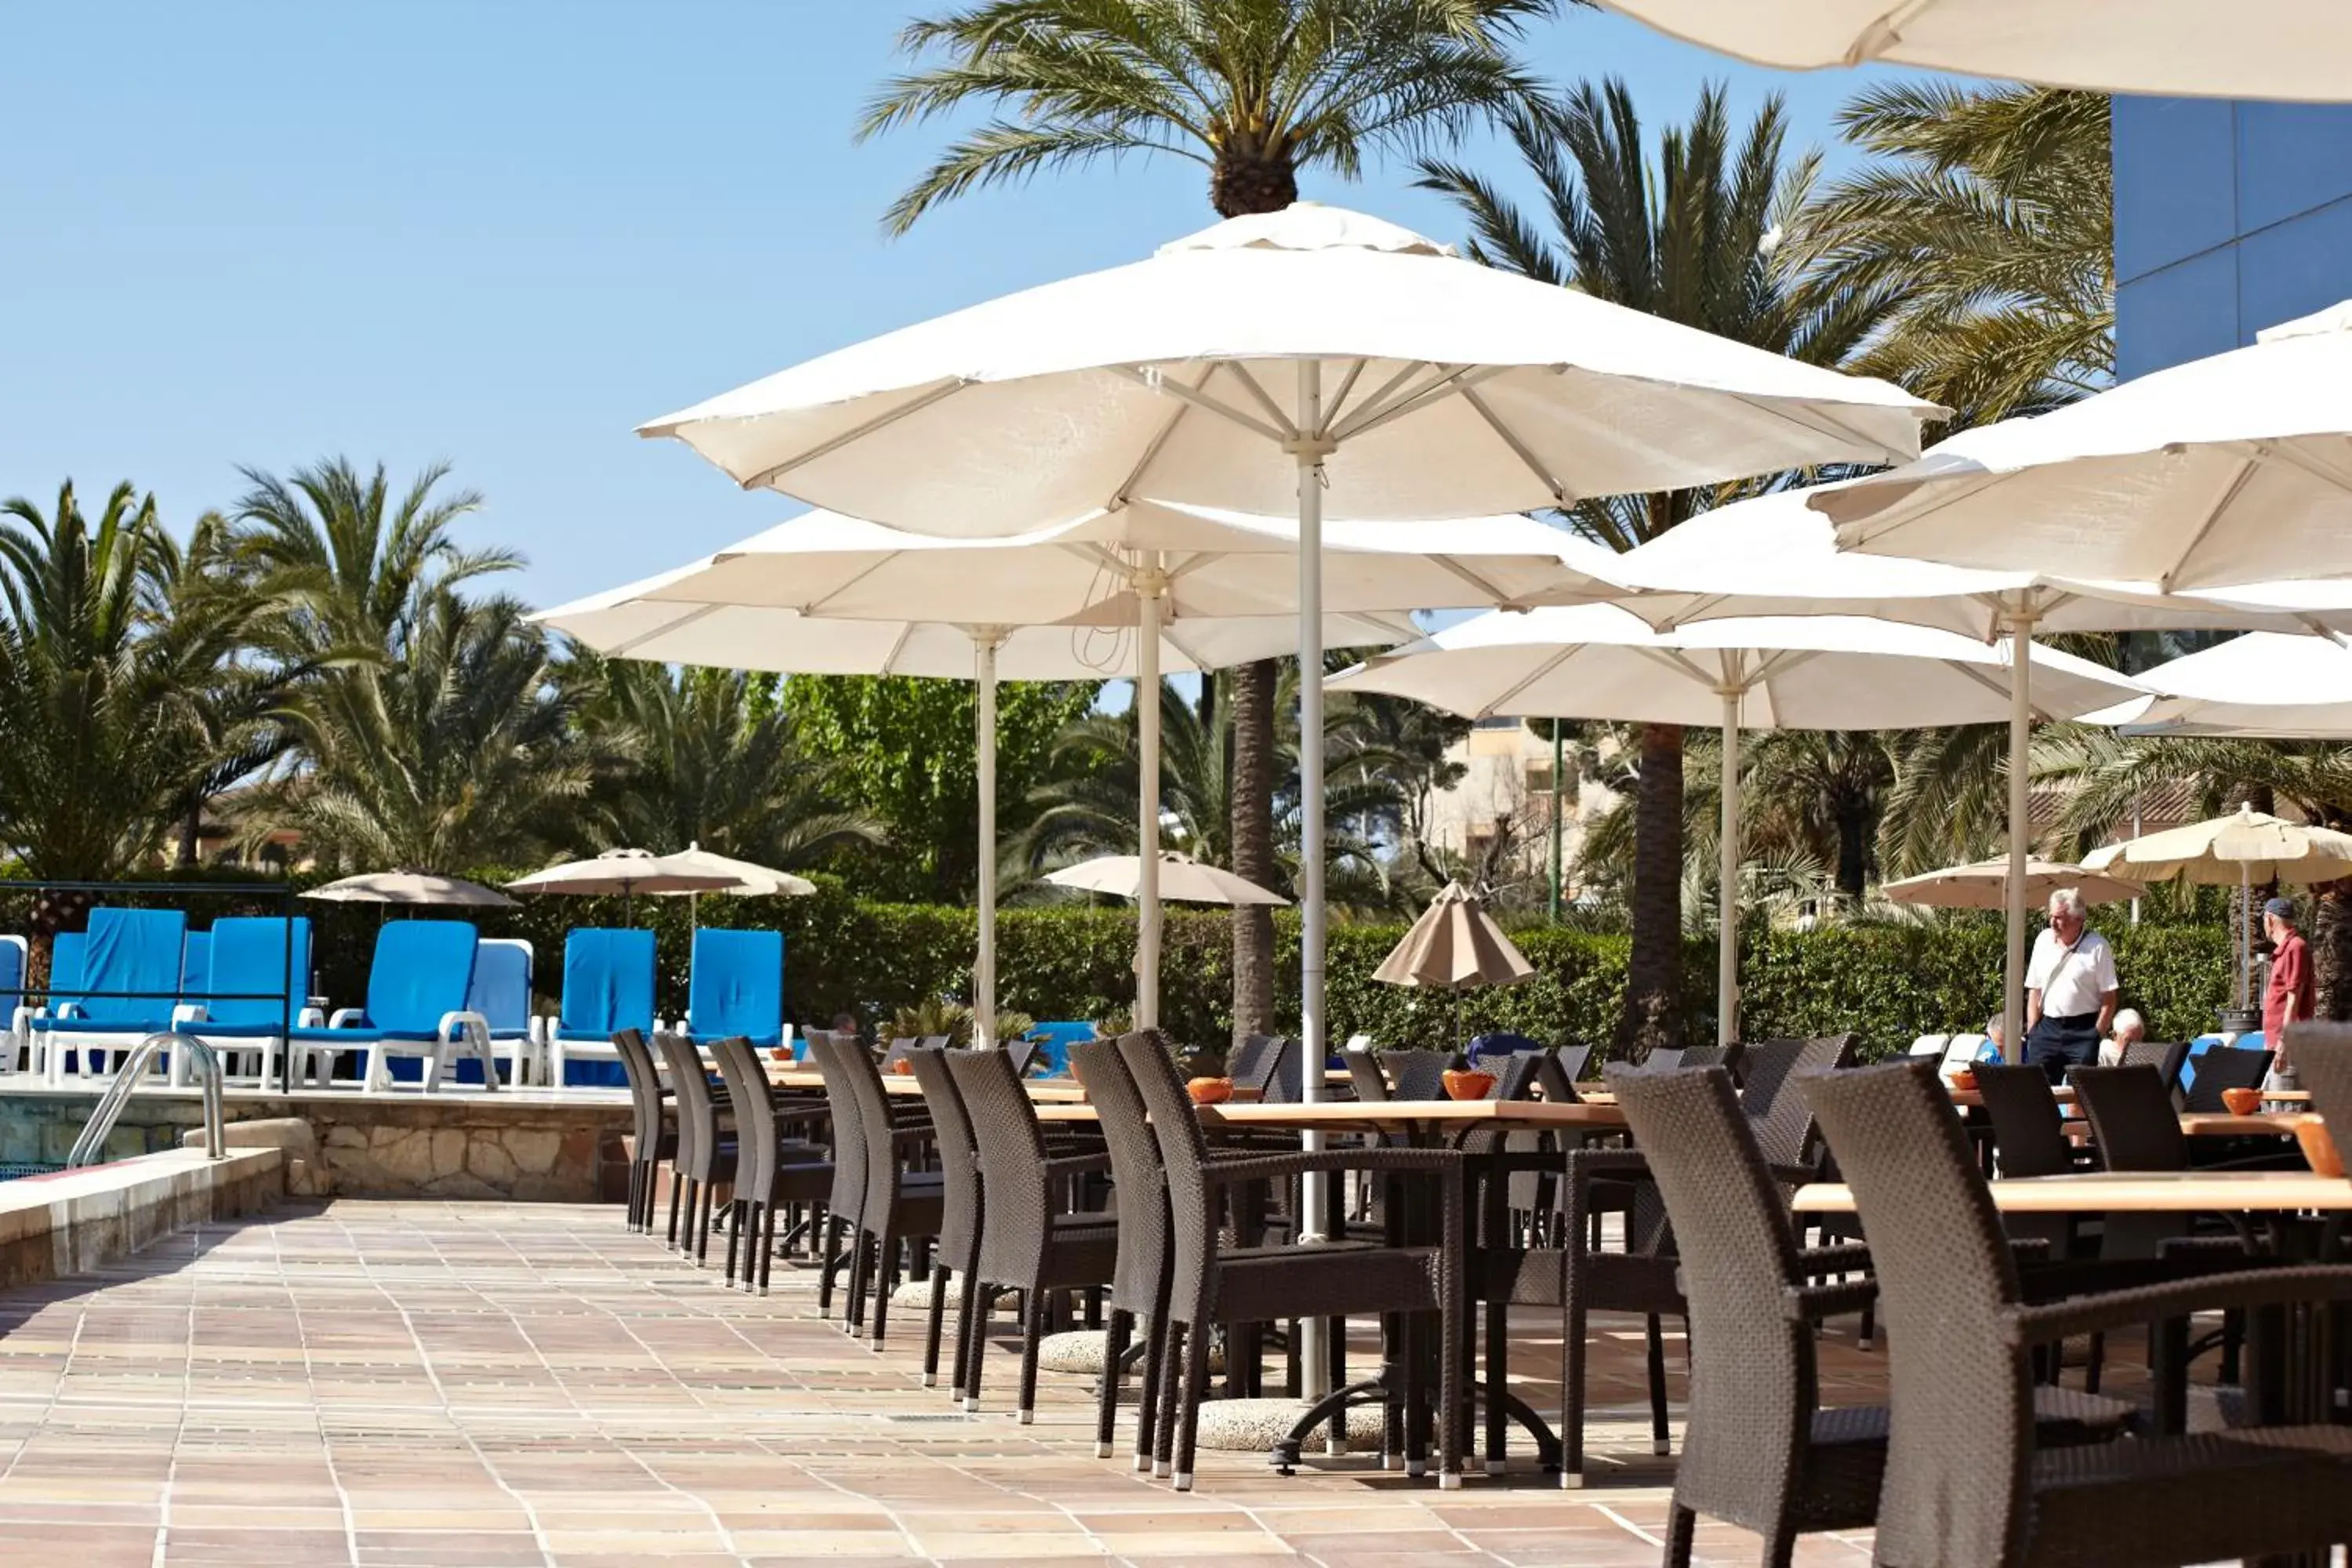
2289	996
2069	989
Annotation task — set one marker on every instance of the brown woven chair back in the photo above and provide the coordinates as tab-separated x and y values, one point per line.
1018	1198
1417	1075
1022	1053
1770	1096
1183	1156
863	1077
2165	1056
2225	1067
963	1209
1662	1058
1135	1174
1961	1438
2322	1055
755	1115
899	1050
1271	1066
697	1116
1753	1381
2028	1132
1558	1070
645	1088
2132	1117
1515	1077
1364	1073
849	1199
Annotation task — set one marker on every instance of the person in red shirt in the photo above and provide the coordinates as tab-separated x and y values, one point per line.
2288	998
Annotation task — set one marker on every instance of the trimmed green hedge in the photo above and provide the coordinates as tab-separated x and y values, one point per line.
1889	983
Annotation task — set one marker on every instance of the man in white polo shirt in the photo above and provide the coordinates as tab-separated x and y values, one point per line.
2069	989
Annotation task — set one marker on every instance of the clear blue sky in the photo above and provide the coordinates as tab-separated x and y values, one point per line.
502	232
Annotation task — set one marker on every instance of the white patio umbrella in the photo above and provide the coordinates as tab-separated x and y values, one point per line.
1816	672
1314	359
2228	469
2262	684
2186	49
623	872
409	887
1182	880
2245	848
1984	884
1138	589
1776	555
752	879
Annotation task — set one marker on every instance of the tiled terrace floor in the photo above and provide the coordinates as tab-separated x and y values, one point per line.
459	1385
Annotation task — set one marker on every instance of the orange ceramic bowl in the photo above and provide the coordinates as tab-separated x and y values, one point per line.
1461	1085
903	1065
2318	1149
1209	1091
1965	1080
2241	1101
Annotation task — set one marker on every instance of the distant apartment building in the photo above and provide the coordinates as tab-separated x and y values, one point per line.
2229	217
1504	798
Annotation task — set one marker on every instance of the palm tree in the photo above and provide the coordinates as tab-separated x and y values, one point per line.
118	698
1253	91
1985	216
1693	235
1822	791
713	760
1086	806
461	754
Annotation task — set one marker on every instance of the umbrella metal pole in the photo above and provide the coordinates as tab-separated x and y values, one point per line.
2021	724
1151	586
1726	885
984	641
1557	757
1309	447
2246	935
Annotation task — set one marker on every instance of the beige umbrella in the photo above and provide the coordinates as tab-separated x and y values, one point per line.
1455	945
2245	848
1984	884
1182	880
750	880
626	872
409	887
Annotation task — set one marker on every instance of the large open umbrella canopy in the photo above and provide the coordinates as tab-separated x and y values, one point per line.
1984	884
751	879
624	873
410	888
1182	880
1136	590
1776	555
2245	848
2185	48
1814	672
1314	359
2228	469
2260	684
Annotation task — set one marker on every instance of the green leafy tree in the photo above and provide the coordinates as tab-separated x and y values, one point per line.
1256	91
461	752
713	760
121	694
904	748
1690	233
1985	216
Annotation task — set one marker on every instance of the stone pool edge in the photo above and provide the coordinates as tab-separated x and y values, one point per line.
73	1222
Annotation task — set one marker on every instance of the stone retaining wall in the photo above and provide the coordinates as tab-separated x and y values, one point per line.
514	1144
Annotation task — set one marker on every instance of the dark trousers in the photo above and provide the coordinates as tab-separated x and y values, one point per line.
2055	1044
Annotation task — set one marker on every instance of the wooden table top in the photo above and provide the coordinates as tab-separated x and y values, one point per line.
1044	1091
2135	1191
1349	1115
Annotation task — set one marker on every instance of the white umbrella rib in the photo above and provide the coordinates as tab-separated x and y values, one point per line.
1543	668
1201	399
2040	715
2238	475
1159	439
1450	380
1560	493
695	612
883	421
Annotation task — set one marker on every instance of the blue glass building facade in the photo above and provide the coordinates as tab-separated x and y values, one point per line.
2229	217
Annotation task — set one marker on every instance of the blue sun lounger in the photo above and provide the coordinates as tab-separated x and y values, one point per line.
608	986
248	989
418	986
736	986
501	993
134	954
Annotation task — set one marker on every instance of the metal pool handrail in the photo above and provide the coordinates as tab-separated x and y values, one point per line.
127	1082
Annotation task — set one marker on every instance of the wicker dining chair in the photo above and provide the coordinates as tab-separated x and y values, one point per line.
771	1169
706	1153
1364	1075
1030	1241
2220	1069
1758	1449
1417	1075
1557	1069
2165	1056
837	1238
955	1253
1968	1484
1211	1283
1139	1276
899	1203
654	1139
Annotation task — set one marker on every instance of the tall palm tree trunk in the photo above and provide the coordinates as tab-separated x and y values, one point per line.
1241	184
2331	950
1653	1017
1853	850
